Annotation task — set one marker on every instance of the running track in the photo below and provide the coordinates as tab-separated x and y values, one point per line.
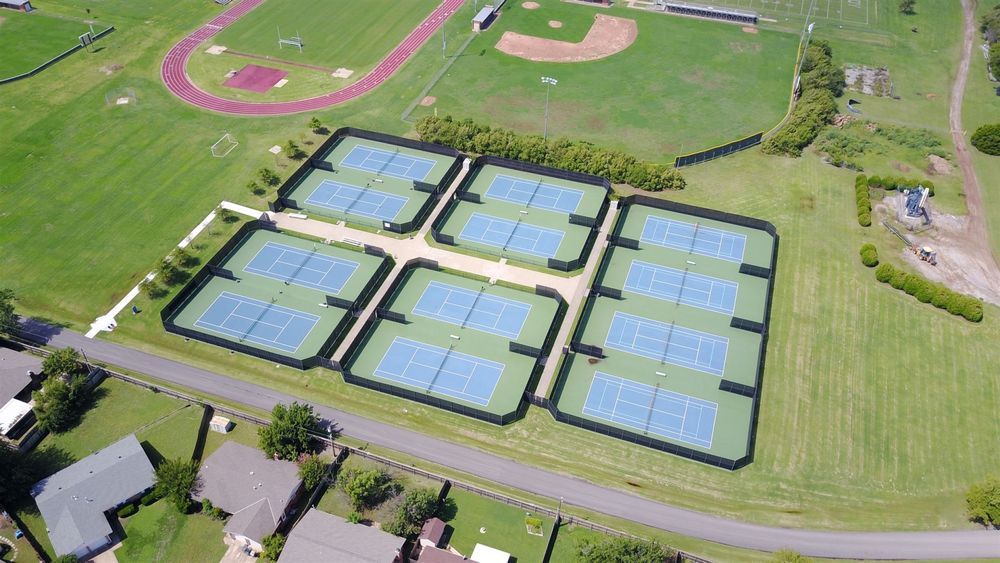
174	74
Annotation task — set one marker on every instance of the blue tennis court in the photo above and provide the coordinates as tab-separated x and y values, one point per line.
668	343
682	286
535	194
691	237
257	321
443	371
388	163
473	309
651	409
512	235
359	201
303	268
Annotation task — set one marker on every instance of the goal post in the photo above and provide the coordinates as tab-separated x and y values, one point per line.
224	145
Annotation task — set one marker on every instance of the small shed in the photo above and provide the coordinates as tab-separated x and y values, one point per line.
431	533
11	414
484	18
19	5
220	424
486	554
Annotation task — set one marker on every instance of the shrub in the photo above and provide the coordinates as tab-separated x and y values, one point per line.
869	255
273	544
968	307
987	139
127	510
863	200
577	156
884	273
865	219
149	498
354	517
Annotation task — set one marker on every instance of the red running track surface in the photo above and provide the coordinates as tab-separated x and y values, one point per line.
174	74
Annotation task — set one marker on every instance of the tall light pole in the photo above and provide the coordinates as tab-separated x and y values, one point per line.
549	82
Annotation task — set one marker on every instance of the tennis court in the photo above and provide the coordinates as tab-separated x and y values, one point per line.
303	268
693	237
441	370
473	309
668	343
650	409
359	201
257	321
682	286
513	235
535	194
388	163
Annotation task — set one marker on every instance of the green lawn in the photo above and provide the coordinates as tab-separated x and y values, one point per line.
94	197
28	40
335	501
683	86
159	533
982	106
479	520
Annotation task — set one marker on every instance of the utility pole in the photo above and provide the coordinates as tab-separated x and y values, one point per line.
549	82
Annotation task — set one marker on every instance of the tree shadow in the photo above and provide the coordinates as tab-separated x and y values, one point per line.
154	455
38	466
448	510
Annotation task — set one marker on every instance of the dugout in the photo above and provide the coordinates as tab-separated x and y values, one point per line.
19	5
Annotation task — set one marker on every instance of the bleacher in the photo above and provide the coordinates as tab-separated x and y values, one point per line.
711	12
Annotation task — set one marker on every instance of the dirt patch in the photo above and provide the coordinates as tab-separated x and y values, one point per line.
609	35
2	19
428	100
901	167
555	24
531	5
749	30
842	119
741	47
938	166
108	70
961	264
931	96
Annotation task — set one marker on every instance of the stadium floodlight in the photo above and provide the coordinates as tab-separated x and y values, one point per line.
549	82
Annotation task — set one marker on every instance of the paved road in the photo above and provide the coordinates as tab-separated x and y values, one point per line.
860	545
173	71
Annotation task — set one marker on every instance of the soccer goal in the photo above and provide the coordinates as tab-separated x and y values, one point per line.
121	97
224	146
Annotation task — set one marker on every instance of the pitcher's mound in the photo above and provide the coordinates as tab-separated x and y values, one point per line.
531	5
428	101
555	24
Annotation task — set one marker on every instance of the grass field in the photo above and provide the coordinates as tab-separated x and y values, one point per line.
159	533
683	86
336	34
982	107
92	199
28	40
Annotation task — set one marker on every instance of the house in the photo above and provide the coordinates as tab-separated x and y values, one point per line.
257	491
19	5
75	502
429	544
324	537
18	371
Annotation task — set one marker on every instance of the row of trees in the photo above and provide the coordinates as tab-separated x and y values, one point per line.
928	292
890	183
821	82
578	156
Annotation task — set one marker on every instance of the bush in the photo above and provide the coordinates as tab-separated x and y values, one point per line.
987	139
865	219
884	273
273	544
127	510
966	306
149	498
869	255
577	156
863	201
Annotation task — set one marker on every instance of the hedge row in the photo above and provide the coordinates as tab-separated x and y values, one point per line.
127	510
899	183
869	255
929	292
821	82
578	156
863	200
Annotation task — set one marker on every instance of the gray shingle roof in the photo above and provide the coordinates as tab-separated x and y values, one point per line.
14	368
73	501
254	489
324	537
